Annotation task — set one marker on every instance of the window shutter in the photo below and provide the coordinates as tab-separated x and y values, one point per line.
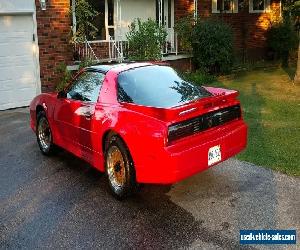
267	6
235	7
214	8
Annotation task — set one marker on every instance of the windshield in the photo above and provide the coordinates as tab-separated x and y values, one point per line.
157	86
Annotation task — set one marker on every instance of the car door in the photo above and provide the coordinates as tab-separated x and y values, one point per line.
74	114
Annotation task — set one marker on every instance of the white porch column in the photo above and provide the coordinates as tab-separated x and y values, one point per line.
106	20
195	9
73	16
160	11
118	25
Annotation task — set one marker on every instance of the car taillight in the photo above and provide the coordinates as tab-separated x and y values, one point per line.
203	122
183	129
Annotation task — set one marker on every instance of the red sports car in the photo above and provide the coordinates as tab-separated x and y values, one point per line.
140	123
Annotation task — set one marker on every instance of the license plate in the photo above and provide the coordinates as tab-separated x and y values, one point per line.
214	155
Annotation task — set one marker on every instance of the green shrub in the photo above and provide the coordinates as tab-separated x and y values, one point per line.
184	29
282	38
213	46
85	63
199	77
65	78
145	40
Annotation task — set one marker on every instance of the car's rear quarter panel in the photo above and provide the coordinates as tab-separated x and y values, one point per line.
143	135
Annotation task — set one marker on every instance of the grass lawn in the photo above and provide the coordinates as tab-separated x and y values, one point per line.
271	104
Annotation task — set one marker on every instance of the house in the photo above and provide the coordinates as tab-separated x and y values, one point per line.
35	35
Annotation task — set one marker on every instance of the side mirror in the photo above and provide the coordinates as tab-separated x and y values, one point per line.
61	94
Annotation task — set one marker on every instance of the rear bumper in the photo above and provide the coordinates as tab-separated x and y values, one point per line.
190	155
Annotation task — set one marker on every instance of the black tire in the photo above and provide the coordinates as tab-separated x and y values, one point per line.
45	144
120	172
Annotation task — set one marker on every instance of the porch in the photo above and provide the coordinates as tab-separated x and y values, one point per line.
115	16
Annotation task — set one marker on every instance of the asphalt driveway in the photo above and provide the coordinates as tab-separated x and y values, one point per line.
61	202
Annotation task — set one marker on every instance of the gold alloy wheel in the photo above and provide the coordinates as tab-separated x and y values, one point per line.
44	134
116	167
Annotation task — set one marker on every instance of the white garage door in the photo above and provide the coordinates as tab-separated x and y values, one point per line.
18	69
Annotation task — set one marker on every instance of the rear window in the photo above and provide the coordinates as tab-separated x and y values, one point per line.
157	86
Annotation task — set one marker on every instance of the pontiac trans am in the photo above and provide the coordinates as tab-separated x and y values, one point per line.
140	123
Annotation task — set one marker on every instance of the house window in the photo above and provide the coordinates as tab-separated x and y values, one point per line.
259	6
104	21
227	5
224	6
99	20
110	19
110	7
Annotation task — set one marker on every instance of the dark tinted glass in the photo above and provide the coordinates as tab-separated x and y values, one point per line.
86	87
258	4
157	86
110	16
98	21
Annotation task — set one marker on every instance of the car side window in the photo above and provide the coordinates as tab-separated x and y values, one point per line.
86	87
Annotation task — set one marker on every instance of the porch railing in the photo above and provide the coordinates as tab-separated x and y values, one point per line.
117	50
85	51
171	45
102	51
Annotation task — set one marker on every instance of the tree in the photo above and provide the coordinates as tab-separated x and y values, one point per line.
282	38
291	9
213	46
296	14
297	75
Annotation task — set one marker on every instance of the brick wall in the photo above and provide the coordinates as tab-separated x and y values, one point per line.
183	8
182	65
101	50
53	27
250	29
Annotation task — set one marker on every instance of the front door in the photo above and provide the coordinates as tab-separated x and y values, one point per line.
74	115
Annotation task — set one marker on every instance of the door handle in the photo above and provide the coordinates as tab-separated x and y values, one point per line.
88	115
